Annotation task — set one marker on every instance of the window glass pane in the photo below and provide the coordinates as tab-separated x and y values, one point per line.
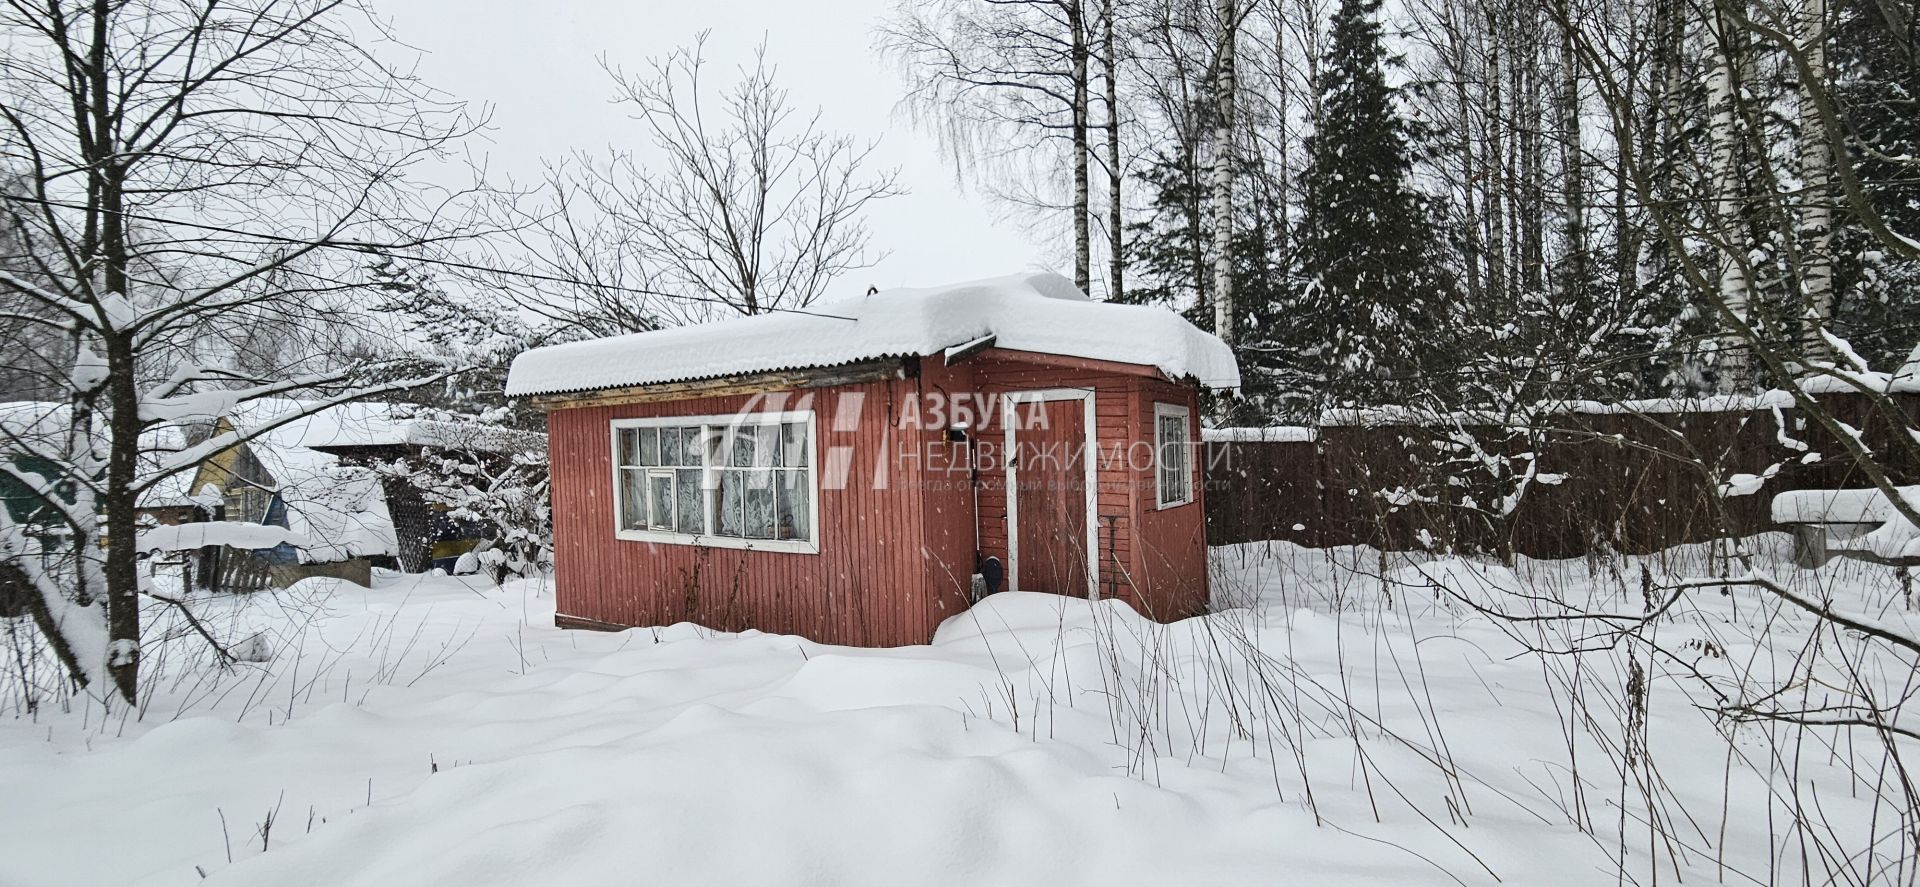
732	487
748	481
743	446
676	444
1175	476
633	499
1181	471
660	494
766	445
795	521
759	505
689	512
670	446
793	444
649	445
692	447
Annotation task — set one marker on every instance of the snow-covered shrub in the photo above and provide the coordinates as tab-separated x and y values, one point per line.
494	477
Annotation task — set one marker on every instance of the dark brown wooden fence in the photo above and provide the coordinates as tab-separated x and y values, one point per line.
1630	482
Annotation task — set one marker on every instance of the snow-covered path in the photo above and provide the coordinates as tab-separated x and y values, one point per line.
445	733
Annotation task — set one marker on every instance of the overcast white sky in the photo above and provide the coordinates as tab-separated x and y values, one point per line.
534	62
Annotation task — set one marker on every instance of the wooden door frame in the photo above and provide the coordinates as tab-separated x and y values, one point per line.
1009	401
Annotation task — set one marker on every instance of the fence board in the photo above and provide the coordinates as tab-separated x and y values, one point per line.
1629	482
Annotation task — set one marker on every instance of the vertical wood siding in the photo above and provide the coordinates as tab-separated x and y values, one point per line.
1154	560
897	539
1170	557
869	584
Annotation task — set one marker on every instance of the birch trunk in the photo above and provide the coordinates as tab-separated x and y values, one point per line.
1723	84
1116	234
1223	157
1464	105
1530	195
1573	164
1495	174
1816	213
1082	234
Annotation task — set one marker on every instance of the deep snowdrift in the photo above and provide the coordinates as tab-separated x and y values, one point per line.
437	731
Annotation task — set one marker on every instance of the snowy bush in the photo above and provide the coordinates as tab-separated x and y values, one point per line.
503	487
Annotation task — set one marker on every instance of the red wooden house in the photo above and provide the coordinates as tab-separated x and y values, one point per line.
844	473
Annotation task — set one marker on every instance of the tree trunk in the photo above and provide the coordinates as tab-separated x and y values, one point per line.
1224	86
1573	168
1470	245
1816	214
1282	230
1532	124
1082	244
1723	85
1116	236
1495	173
117	506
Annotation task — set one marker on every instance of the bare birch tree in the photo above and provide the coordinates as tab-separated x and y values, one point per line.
186	162
1725	43
1816	209
1110	66
999	80
746	203
1225	88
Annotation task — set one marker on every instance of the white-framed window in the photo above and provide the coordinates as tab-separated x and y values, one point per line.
1173	454
742	481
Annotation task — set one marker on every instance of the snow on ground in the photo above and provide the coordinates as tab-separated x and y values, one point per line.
438	730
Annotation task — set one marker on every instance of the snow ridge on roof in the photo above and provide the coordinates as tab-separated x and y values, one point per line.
1044	313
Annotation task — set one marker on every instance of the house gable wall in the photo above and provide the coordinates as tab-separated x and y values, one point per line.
899	532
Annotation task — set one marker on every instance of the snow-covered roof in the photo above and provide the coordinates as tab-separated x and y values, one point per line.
1043	313
337	514
369	424
296	449
342	514
292	450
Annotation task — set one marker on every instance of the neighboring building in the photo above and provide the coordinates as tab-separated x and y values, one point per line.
844	473
427	535
315	475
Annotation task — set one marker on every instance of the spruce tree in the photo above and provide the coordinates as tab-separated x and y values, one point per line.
1374	301
1878	88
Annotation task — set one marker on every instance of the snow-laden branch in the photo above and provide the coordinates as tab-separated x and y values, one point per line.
188	405
232	534
76	632
63	304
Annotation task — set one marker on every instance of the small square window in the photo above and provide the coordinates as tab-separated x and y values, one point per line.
1173	454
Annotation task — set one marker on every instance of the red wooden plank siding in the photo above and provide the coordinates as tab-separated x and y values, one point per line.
1154	560
1171	559
868	584
949	522
897	533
